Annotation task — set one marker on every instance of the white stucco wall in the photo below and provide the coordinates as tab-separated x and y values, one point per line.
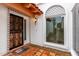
38	31
4	14
3	29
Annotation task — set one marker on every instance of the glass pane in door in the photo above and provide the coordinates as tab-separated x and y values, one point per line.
55	30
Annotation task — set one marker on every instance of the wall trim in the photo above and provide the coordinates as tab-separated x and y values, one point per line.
73	52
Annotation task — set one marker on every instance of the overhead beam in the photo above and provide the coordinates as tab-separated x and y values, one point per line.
29	9
19	8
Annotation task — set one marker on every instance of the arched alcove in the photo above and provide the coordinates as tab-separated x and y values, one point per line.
55	24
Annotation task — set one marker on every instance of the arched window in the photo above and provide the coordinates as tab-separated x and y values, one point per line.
55	24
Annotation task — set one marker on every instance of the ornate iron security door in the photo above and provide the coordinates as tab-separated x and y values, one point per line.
16	31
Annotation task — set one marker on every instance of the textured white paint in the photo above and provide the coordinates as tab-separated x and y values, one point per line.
36	32
3	29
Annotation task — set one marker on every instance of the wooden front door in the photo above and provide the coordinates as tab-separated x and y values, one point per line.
16	31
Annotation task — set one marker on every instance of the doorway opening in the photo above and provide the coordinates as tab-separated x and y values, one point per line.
16	34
